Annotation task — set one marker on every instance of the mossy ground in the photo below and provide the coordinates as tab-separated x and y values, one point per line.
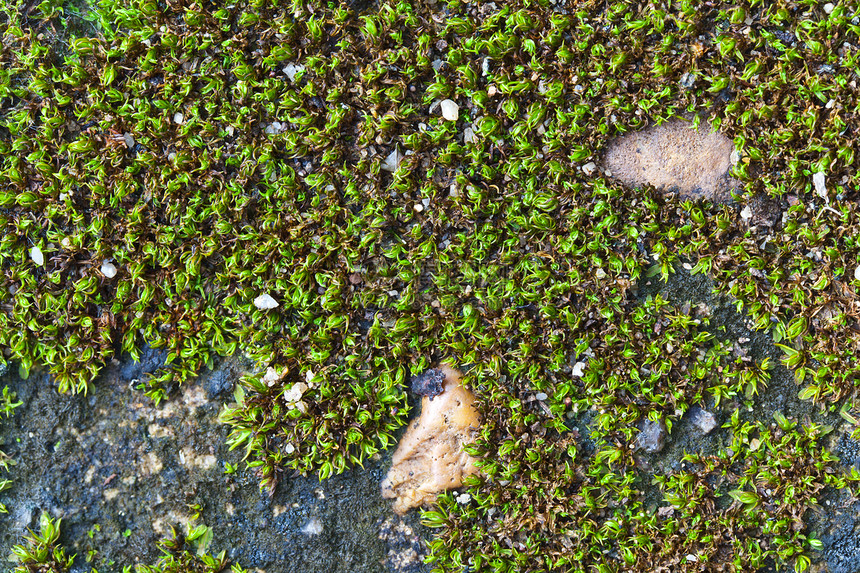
214	152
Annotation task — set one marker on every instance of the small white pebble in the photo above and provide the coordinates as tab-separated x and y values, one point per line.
469	135
857	273
735	157
450	110
828	8
589	168
578	369
270	377
295	393
541	396
746	213
265	302
289	448
108	269
393	293
418	207
178	118
37	257
818	182
313	527
292	70
392	161
464	498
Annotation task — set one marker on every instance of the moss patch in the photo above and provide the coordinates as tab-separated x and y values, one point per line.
282	180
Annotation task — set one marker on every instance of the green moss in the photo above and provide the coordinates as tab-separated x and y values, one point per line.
42	553
214	153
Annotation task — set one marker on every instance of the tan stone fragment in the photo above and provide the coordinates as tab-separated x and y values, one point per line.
676	158
430	458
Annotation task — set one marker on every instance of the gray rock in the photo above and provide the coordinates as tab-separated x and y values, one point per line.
652	436
702	419
392	161
113	458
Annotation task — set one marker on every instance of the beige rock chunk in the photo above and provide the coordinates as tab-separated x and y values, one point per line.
430	458
676	158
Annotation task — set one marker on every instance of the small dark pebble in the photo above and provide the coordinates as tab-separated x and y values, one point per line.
428	383
151	359
219	383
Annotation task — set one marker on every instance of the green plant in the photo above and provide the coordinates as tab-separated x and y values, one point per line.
40	551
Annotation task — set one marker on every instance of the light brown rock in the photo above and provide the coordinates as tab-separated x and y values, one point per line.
430	458
675	158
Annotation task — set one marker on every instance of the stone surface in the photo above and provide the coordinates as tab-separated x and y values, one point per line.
292	70
407	548
36	256
469	135
820	184
265	302
112	458
108	269
450	110
675	158
392	161
430	458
